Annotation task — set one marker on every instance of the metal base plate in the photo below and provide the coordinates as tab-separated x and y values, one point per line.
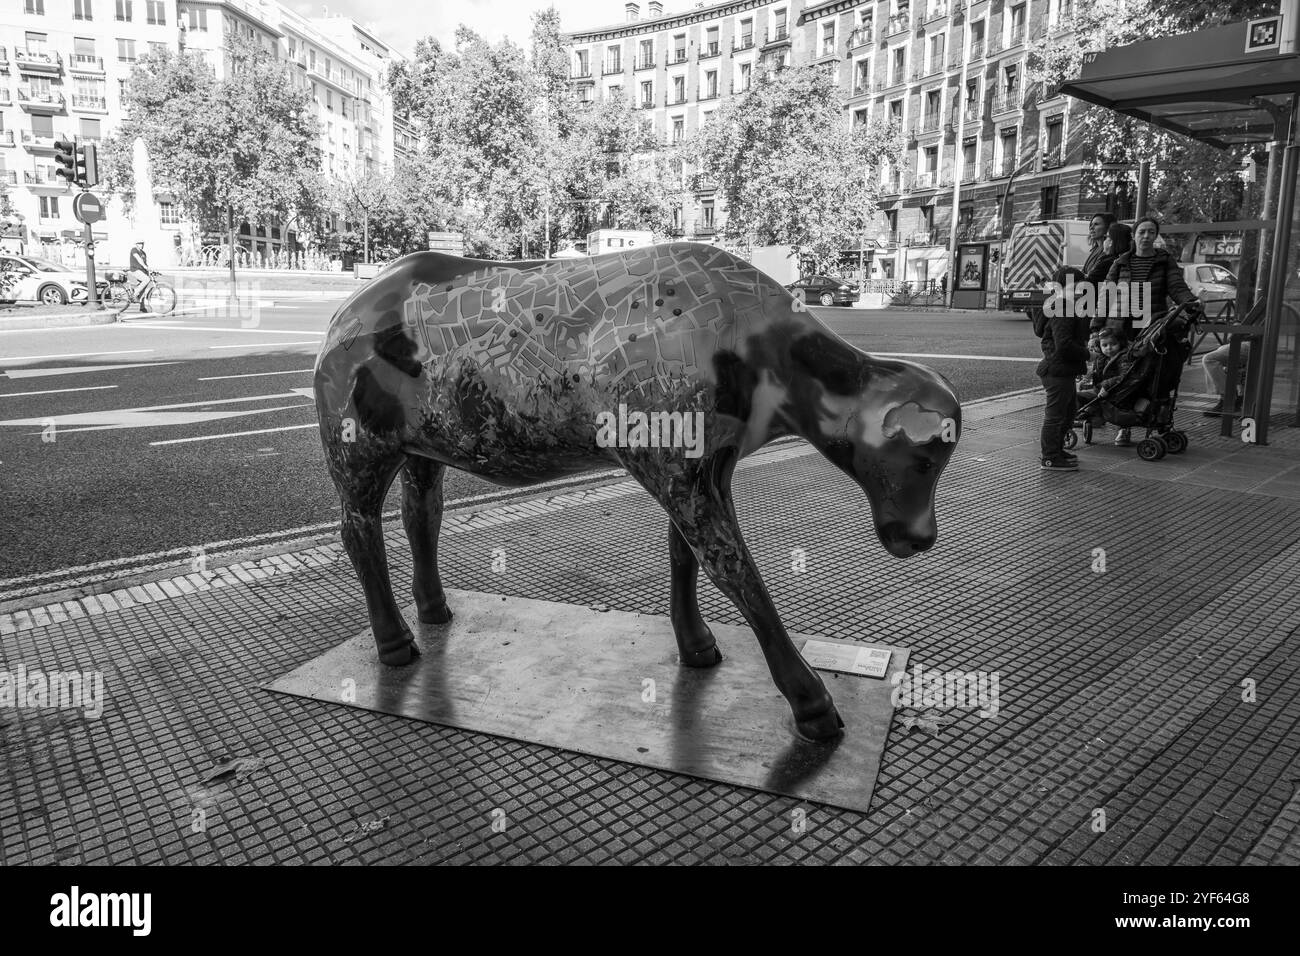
607	684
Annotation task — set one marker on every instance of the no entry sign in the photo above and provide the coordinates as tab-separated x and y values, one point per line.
87	208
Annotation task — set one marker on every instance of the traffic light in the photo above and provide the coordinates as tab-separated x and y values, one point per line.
87	166
65	160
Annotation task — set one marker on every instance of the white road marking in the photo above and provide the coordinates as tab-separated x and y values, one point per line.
16	373
983	358
216	328
258	345
59	391
37	358
259	431
154	414
292	371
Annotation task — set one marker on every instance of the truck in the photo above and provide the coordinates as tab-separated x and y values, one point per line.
1033	254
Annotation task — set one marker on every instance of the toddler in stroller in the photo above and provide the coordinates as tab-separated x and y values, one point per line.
1141	387
1109	363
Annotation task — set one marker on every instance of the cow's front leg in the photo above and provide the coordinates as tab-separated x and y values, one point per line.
422	516
699	501
695	644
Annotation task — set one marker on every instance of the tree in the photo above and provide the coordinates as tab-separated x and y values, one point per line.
396	211
791	170
242	148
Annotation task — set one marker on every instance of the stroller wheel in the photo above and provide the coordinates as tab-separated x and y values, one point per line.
1176	442
1151	449
1087	433
1071	439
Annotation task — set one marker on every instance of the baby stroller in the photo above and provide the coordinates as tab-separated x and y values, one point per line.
1148	391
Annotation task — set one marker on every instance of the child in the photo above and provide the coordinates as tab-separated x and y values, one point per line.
1106	372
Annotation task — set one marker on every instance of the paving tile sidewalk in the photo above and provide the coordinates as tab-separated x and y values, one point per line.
1147	714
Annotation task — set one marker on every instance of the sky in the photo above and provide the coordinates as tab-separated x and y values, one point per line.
401	22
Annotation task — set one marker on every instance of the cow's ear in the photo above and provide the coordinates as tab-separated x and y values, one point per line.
838	369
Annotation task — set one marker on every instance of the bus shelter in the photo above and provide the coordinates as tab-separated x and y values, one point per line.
1231	85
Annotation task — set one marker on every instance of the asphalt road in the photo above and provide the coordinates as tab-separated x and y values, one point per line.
193	430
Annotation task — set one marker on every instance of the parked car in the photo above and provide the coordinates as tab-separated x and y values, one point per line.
826	290
1211	284
32	279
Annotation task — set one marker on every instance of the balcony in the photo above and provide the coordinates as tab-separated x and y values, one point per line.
32	61
40	101
897	24
704	227
10	176
1053	158
92	104
771	37
6	137
39	178
860	37
977	49
930	124
926	180
676	56
4	54
6	98
581	73
647	104
1017	37
923	237
972	111
1008	101
609	69
85	63
644	63
675	101
998	170
743	42
710	50
935	11
703	94
36	142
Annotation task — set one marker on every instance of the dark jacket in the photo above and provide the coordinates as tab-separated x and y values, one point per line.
1114	371
1167	284
1102	367
1064	341
139	261
1094	260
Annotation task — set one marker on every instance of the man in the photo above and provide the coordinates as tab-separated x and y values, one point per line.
138	269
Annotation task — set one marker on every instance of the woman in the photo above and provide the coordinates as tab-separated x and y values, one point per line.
1146	264
1119	241
1098	229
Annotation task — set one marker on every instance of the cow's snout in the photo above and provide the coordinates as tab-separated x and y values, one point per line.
903	541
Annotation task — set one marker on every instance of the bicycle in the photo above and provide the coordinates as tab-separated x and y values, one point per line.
154	295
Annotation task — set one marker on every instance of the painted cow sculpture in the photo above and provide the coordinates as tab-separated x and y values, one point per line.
514	371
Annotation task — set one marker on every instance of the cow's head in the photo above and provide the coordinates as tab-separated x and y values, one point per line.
892	432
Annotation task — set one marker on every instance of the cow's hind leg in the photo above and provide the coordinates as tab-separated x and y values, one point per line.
695	643
422	515
362	486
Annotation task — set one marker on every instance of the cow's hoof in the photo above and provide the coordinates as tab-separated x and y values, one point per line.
825	726
711	656
398	655
439	614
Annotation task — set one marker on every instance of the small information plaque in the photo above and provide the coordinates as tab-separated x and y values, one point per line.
846	659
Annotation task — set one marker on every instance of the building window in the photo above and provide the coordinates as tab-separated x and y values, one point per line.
90	129
968	161
1054	140
746	33
155	12
859	118
679	48
711	84
81	10
828	38
197	18
614	59
1050	197
679	127
711	41
746	75
707	213
1017	23
900	64
861	76
43	127
896	111
780	25
679	89
37	42
169	214
36	7
1008	152
936	53
647	55
49	207
123	11
126	51
647	94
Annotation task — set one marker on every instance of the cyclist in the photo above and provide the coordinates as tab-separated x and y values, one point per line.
138	270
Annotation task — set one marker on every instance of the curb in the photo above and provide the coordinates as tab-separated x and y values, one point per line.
61	320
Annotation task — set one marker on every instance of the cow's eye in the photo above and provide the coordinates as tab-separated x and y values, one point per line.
923	465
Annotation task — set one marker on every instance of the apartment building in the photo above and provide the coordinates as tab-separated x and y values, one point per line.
64	70
952	73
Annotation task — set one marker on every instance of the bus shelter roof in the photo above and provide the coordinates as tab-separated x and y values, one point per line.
1225	86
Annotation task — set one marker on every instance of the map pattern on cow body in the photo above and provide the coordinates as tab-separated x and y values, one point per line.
634	321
